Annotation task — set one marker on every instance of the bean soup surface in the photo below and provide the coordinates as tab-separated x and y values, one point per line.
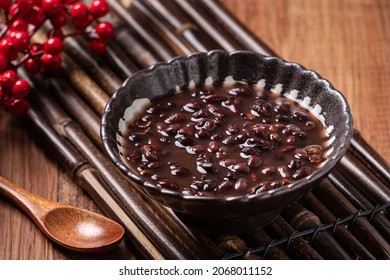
224	141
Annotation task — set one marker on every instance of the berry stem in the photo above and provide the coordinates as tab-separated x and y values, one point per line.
76	33
27	56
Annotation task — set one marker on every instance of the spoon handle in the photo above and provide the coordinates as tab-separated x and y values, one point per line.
35	206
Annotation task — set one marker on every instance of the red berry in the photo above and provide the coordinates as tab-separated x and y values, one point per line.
19	25
59	19
17	107
99	8
53	45
105	30
21	89
3	63
51	7
26	5
20	40
35	48
83	23
57	33
5	4
79	11
35	16
14	10
8	79
98	45
8	50
51	63
33	65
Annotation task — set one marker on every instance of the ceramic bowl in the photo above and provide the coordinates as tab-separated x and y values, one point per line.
242	213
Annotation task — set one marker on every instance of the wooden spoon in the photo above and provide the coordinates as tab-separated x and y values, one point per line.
72	228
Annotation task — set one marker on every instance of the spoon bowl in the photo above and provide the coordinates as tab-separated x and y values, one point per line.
86	231
73	228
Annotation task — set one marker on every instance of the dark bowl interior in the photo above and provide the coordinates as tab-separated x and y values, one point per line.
244	213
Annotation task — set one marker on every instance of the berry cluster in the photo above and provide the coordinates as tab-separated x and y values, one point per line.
20	19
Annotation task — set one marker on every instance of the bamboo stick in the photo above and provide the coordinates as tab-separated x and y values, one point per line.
362	229
131	21
134	48
347	188
212	30
234	28
368	156
341	233
301	219
230	243
76	108
297	248
89	90
184	29
119	61
178	47
77	49
367	182
260	238
72	104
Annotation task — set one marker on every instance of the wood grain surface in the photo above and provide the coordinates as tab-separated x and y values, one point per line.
346	41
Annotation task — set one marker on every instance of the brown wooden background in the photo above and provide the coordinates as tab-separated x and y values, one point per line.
346	41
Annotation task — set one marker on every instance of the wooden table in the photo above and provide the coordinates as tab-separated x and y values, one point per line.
346	41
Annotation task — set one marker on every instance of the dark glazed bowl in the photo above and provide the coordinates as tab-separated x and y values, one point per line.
243	213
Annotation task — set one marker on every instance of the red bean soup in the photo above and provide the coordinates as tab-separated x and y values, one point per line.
224	141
